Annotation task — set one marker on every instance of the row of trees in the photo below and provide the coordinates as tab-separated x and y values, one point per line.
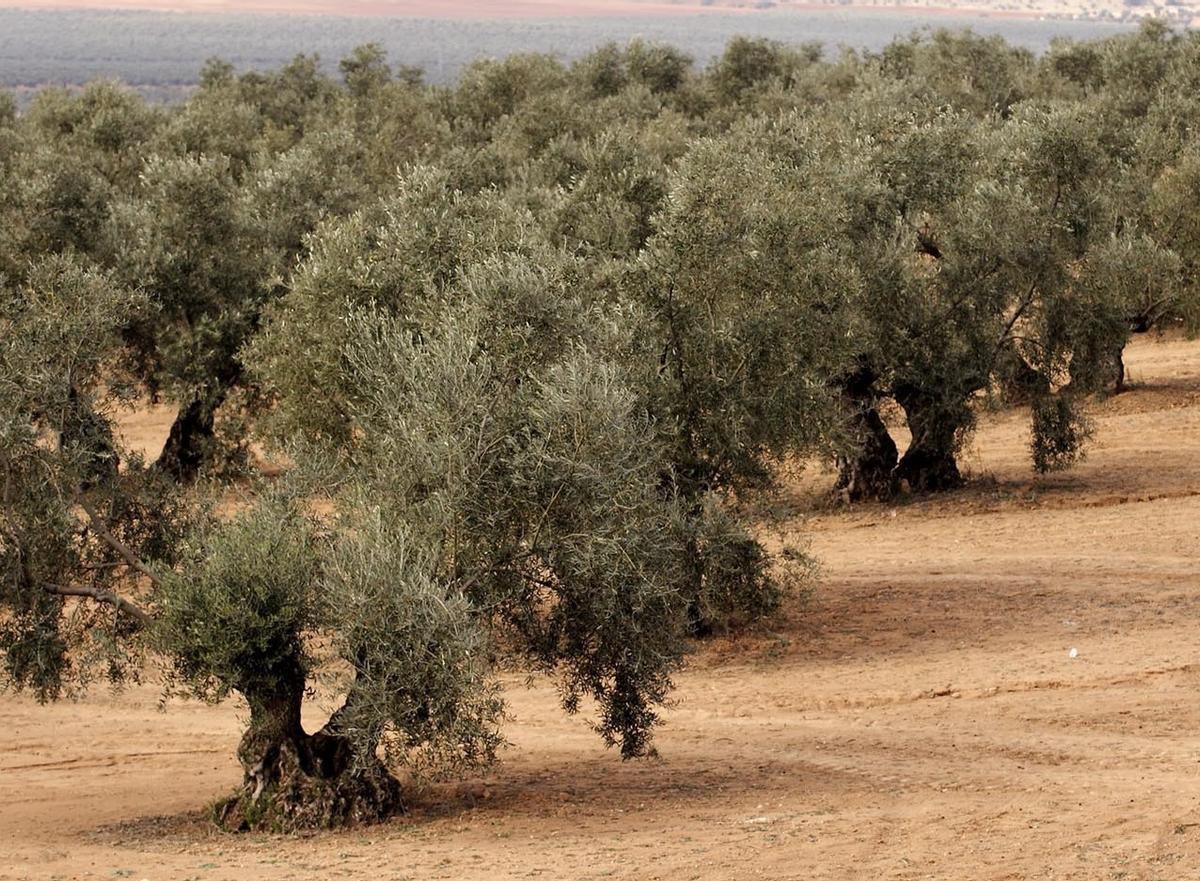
521	342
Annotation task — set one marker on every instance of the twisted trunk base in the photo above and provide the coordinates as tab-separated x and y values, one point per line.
865	471
295	780
868	473
929	469
930	462
288	788
189	443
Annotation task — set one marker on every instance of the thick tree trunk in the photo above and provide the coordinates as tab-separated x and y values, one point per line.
295	780
189	443
929	468
929	463
1119	371
867	472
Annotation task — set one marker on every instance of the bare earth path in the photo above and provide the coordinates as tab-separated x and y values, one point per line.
920	718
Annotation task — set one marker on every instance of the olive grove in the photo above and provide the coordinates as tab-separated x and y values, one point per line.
521	348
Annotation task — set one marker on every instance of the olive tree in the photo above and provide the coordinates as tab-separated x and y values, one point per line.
611	68
1155	205
964	70
745	298
982	258
498	492
211	243
496	487
1143	87
187	237
66	160
80	517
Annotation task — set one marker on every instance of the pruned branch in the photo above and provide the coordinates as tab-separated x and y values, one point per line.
99	595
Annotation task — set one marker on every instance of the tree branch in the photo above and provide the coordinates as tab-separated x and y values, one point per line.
1012	322
113	542
537	532
118	602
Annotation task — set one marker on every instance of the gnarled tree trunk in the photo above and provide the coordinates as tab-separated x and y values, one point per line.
295	780
929	464
189	443
868	471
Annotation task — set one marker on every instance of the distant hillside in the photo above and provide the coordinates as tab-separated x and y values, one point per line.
457	9
161	53
1178	11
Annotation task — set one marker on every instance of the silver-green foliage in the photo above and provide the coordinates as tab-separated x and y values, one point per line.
493	439
73	525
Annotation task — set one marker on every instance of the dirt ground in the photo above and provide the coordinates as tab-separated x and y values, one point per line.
920	717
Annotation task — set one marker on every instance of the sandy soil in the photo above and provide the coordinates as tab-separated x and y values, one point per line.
919	718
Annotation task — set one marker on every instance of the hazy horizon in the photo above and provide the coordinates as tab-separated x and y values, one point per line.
159	50
455	9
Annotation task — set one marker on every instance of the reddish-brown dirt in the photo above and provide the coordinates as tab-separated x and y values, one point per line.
919	717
